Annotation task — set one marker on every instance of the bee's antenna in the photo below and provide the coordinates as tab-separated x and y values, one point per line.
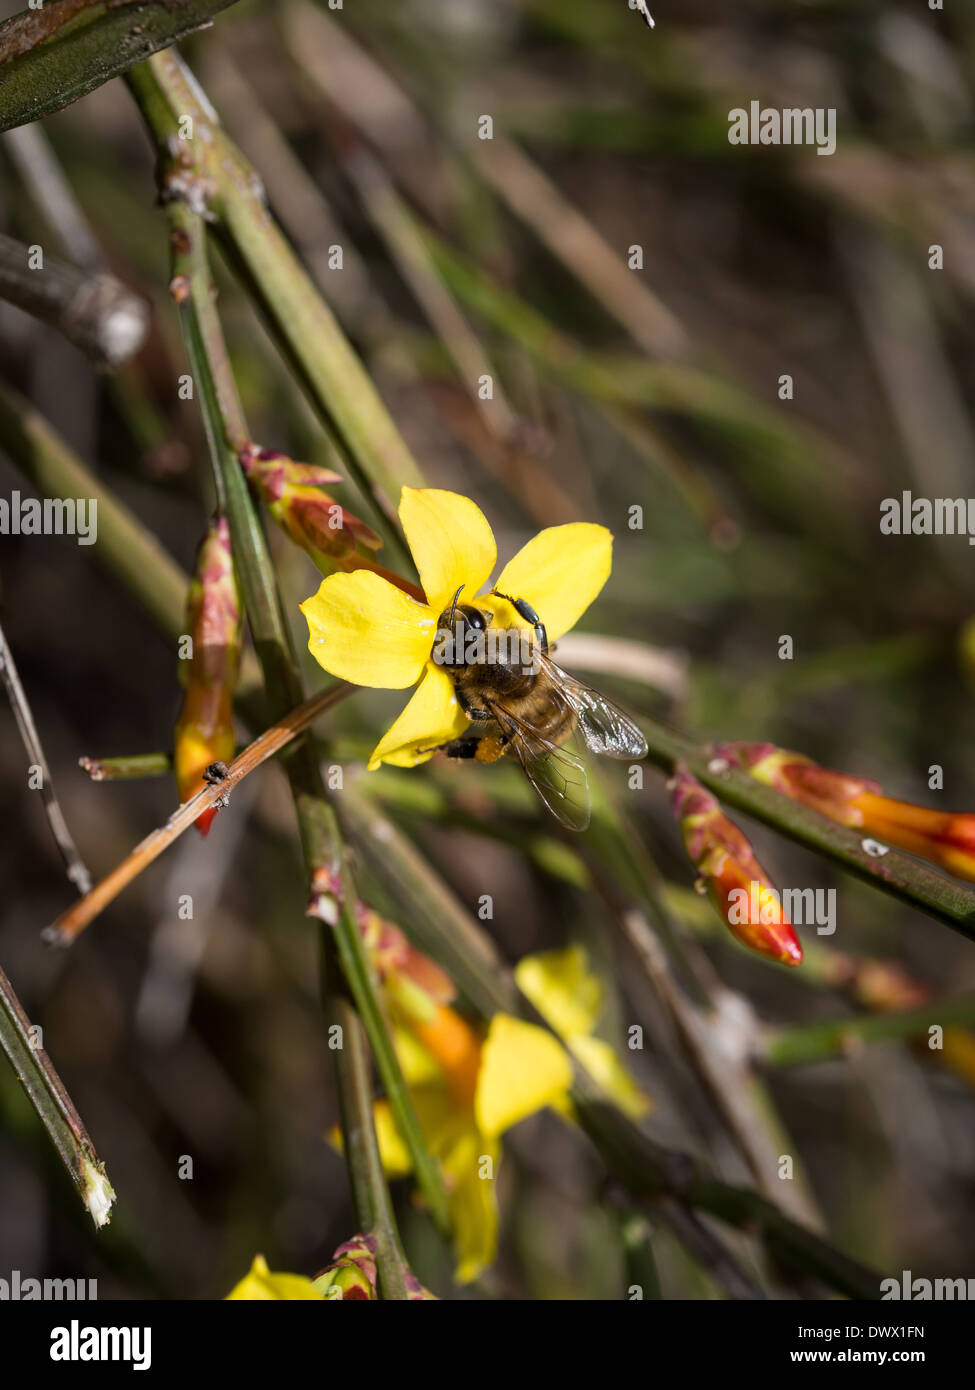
453	607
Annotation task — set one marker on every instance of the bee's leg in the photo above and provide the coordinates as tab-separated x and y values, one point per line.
460	748
473	713
468	744
524	609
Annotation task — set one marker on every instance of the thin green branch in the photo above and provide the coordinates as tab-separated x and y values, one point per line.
127	768
650	1171
46	1093
76	868
300	321
813	1042
324	854
370	1193
708	1252
126	548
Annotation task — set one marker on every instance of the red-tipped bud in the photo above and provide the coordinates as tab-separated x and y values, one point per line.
352	1273
832	794
945	838
734	880
312	518
205	728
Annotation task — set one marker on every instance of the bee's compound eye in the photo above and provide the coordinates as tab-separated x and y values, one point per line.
473	617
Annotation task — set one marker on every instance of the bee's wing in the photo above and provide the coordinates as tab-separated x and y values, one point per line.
603	725
557	775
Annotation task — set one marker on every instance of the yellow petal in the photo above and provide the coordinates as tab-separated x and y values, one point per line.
563	989
419	1068
560	571
260	1284
471	1169
451	543
456	1045
363	629
523	1069
393	1152
432	717
604	1066
441	1122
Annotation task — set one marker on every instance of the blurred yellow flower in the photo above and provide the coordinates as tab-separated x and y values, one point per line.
259	1284
469	1087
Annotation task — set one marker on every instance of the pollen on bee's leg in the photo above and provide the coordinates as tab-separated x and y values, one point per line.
490	749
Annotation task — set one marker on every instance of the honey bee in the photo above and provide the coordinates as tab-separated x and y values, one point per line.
520	701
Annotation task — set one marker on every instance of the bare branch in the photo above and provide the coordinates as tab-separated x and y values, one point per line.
95	312
71	923
75	865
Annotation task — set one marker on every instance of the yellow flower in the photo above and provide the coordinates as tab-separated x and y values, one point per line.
259	1284
363	629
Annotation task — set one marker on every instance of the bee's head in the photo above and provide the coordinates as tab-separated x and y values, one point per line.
456	627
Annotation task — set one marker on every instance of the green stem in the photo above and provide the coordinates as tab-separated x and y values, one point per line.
299	320
324	854
650	1171
46	1093
370	1193
128	768
787	1047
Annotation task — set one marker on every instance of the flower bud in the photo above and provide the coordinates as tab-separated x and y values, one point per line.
735	882
352	1273
832	794
312	518
204	731
945	838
